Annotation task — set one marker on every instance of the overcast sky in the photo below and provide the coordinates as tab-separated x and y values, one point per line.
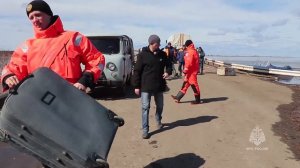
223	27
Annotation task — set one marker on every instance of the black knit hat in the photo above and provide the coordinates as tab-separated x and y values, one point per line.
38	5
188	42
154	39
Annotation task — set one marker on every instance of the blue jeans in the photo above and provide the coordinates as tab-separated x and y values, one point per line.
146	101
201	65
180	67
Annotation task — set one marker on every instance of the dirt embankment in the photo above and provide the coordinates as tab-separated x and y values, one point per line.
289	126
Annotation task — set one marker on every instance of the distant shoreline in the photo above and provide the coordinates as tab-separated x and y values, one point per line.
259	56
293	62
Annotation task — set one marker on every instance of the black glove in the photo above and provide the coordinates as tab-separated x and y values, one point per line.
87	80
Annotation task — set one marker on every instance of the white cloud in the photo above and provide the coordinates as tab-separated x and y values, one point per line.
280	22
260	28
217	33
210	23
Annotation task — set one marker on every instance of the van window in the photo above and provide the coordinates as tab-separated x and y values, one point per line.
126	46
107	45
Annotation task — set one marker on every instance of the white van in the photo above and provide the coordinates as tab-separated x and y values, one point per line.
118	52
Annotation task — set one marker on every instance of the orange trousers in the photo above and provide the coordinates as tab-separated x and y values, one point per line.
190	80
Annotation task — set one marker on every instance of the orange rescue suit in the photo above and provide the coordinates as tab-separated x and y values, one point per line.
60	50
191	67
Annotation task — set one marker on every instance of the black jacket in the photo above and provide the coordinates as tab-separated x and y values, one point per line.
149	70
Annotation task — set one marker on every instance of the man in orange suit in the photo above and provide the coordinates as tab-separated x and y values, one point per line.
53	47
191	67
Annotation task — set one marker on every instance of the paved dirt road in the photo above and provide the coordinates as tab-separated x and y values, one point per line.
211	135
214	134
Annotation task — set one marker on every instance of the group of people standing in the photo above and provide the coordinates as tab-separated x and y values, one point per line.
154	66
176	55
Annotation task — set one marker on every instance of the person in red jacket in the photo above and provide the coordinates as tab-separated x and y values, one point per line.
53	47
191	67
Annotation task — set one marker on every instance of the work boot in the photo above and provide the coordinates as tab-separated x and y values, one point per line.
146	135
197	100
178	96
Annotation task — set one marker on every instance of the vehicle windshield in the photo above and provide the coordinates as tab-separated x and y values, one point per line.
107	45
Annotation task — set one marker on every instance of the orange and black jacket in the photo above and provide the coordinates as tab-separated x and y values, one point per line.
61	51
191	60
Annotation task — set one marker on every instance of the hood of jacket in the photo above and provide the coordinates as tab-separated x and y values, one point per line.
191	46
53	30
147	49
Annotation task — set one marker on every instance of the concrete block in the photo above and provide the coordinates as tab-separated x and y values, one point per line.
226	71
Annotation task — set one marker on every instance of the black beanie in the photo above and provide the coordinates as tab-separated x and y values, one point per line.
188	42
38	5
154	39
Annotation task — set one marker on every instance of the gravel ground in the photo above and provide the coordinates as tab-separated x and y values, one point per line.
213	134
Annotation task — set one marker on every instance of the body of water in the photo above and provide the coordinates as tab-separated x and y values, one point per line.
293	62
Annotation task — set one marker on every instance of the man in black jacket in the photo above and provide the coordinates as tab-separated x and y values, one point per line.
149	80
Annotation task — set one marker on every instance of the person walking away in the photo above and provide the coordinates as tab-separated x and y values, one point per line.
191	67
180	59
149	80
53	47
170	50
202	55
